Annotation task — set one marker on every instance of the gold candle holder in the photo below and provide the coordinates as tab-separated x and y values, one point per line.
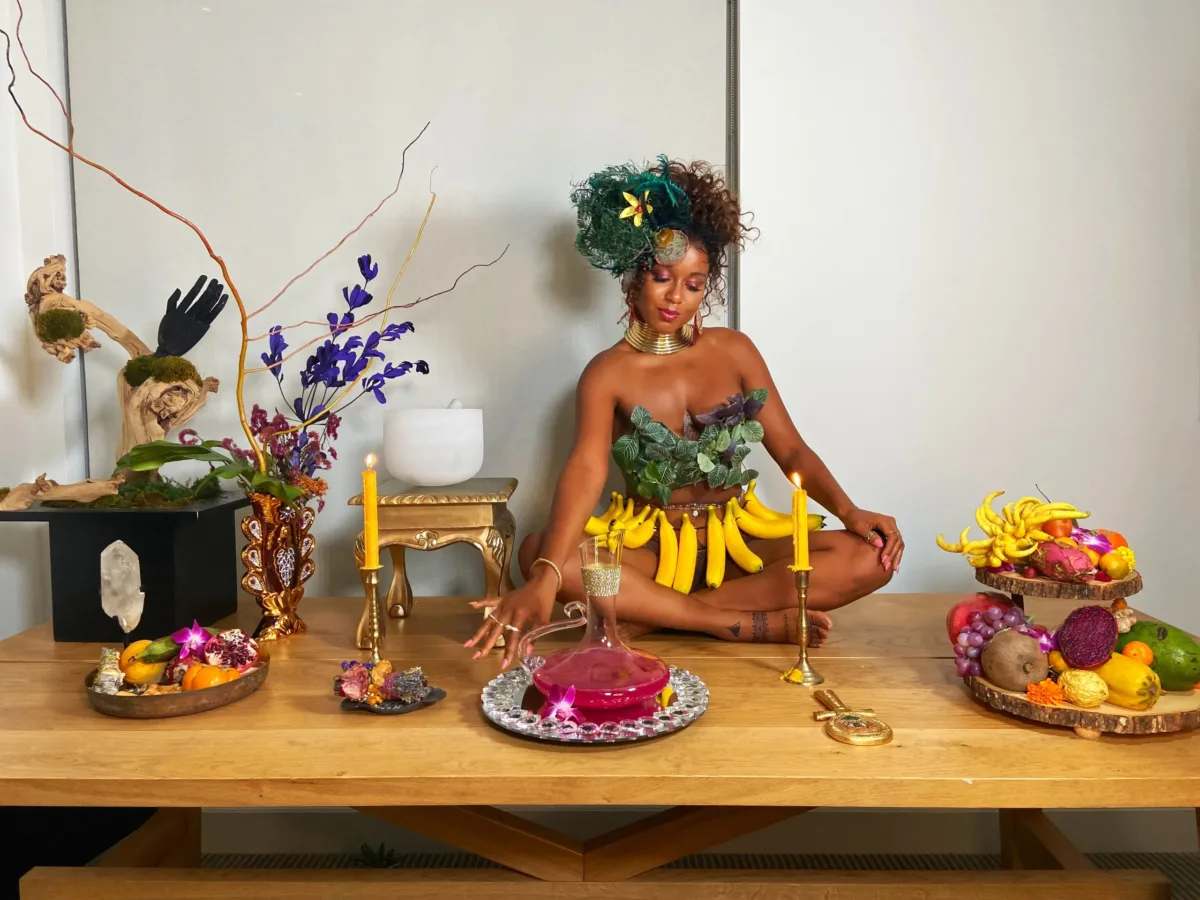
802	672
370	577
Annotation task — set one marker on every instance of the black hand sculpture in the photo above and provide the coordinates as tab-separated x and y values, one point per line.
184	324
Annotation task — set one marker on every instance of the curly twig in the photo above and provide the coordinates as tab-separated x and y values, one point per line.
349	234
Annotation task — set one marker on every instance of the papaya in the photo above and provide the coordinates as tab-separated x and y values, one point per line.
1130	683
1176	654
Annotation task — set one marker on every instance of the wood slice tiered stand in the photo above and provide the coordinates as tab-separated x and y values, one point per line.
1174	711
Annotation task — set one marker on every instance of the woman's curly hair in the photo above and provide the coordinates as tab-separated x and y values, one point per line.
715	219
716	223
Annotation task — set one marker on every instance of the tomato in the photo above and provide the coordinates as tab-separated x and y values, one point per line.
1114	537
1058	528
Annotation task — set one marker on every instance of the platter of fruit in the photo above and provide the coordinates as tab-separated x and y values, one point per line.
1037	548
193	670
1101	670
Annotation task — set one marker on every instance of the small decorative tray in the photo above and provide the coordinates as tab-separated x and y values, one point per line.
395	707
510	701
185	703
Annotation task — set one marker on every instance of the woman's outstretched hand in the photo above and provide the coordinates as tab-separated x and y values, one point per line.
879	531
529	605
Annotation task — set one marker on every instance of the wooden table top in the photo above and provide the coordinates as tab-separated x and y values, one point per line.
290	745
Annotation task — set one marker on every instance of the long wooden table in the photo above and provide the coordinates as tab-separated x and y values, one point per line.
755	758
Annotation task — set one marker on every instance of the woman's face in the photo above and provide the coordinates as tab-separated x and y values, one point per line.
669	296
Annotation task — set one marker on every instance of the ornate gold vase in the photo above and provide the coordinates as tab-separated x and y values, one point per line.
278	562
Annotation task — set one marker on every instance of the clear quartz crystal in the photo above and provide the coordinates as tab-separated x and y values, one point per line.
121	585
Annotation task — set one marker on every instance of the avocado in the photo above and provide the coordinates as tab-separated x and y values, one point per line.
1176	654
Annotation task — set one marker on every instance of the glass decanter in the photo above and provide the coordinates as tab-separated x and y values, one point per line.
601	672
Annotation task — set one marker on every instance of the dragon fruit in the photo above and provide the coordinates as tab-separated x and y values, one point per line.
233	649
1088	637
1062	562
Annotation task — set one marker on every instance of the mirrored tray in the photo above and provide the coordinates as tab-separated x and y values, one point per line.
511	702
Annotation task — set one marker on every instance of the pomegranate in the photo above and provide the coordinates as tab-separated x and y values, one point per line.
233	649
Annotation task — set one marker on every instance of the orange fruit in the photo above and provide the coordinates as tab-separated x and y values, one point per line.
1092	555
1140	651
1115	538
137	672
197	678
131	651
144	673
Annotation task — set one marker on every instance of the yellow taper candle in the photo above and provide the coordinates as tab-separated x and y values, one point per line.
799	526
370	515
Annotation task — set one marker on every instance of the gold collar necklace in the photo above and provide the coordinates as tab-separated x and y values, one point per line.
641	336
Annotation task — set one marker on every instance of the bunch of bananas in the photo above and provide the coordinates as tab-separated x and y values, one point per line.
678	552
1011	536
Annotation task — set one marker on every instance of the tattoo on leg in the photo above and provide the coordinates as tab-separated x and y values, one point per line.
736	628
760	627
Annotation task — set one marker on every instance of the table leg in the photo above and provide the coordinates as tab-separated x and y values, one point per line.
170	838
400	596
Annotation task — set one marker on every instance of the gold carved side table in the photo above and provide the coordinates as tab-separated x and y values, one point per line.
474	512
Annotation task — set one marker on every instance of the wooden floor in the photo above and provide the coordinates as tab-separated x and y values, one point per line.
755	758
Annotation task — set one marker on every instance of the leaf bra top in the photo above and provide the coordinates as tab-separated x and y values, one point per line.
712	448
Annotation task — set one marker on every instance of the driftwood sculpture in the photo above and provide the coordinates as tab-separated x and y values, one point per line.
43	488
158	390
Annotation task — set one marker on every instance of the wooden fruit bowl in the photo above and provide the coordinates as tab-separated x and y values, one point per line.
1095	591
1174	711
185	703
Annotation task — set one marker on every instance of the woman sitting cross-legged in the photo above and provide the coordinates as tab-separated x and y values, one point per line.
683	408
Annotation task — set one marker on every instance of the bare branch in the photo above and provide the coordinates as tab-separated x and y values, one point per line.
351	233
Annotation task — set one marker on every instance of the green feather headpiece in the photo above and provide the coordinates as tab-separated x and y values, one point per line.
629	214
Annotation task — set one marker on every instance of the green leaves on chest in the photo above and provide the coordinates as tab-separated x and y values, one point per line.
657	460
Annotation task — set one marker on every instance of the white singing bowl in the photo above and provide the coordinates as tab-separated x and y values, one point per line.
433	447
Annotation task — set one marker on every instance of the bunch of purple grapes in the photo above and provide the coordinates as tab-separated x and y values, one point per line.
980	628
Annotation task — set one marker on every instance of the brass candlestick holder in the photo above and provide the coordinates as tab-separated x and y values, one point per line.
370	578
802	672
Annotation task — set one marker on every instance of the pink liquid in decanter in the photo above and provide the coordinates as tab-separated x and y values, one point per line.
604	676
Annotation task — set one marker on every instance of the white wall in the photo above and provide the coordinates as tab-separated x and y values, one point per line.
275	125
40	403
979	265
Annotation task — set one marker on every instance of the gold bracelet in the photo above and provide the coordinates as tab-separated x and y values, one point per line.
557	570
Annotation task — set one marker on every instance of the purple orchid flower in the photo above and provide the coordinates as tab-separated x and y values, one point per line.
366	268
356	297
191	641
1095	542
562	705
1047	640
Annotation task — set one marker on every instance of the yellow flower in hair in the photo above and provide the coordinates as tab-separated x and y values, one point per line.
637	208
